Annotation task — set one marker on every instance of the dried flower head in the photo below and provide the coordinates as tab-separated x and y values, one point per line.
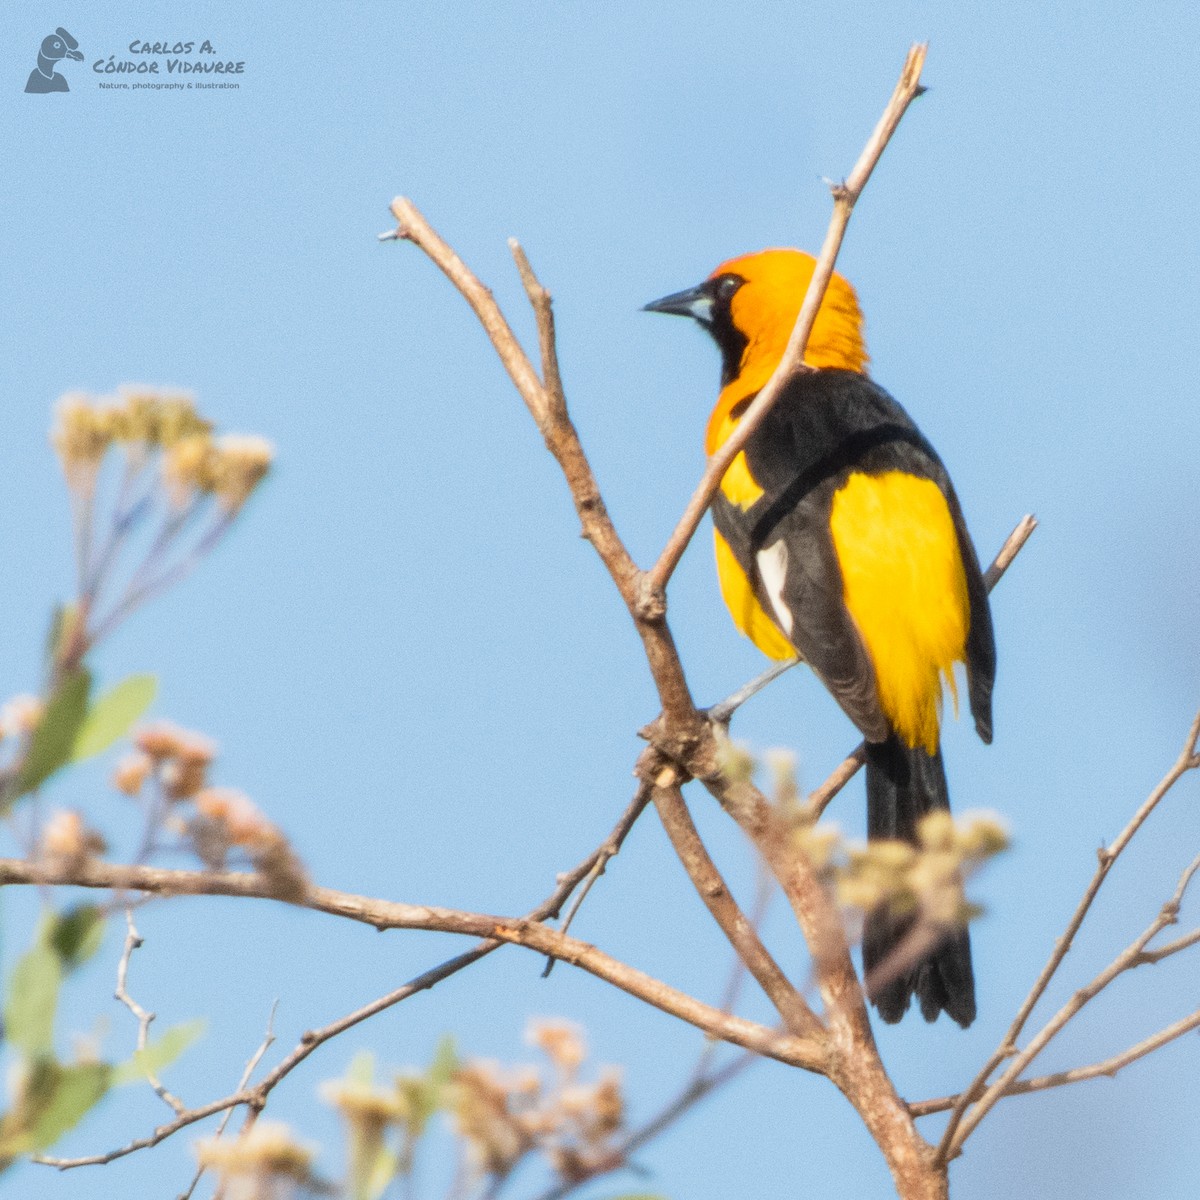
66	839
20	716
187	771
131	773
481	1104
982	835
562	1042
367	1103
188	468
241	819
231	817
736	761
264	1163
608	1104
82	433
150	418
820	843
164	739
240	464
782	765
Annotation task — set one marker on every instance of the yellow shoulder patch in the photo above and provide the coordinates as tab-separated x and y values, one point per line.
906	589
748	615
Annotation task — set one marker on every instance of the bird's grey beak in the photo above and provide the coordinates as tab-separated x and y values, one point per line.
76	55
695	302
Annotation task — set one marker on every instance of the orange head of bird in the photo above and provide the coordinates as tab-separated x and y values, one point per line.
750	305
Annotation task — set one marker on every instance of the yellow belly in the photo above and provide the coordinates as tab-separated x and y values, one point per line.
905	587
748	615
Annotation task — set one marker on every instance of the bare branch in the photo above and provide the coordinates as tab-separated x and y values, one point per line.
1132	956
256	1098
1108	1068
600	859
722	712
646	604
251	1065
543	310
818	801
845	196
133	940
413	227
190	1117
388	914
712	889
1013	545
952	1139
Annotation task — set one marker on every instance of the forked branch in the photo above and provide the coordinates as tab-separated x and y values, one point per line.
845	196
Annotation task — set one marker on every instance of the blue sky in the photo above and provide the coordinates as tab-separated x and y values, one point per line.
410	659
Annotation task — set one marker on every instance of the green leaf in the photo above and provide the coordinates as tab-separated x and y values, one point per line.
112	716
36	1083
51	743
160	1053
75	934
445	1064
426	1095
32	999
375	1179
79	1089
63	623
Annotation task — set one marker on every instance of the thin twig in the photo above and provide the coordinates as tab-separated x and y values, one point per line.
845	196
724	710
818	800
543	309
1182	943
1108	1068
1013	545
133	940
167	579
646	604
1186	761
1129	958
183	1121
600	859
251	1065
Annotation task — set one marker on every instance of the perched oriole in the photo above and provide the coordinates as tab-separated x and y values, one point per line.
839	538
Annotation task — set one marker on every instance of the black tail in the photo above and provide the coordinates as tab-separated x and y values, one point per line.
902	786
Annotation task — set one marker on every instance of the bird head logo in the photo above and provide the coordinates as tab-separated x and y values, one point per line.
54	48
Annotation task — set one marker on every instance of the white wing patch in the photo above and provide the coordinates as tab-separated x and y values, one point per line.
772	562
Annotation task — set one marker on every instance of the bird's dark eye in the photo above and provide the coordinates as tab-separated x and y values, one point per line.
727	285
